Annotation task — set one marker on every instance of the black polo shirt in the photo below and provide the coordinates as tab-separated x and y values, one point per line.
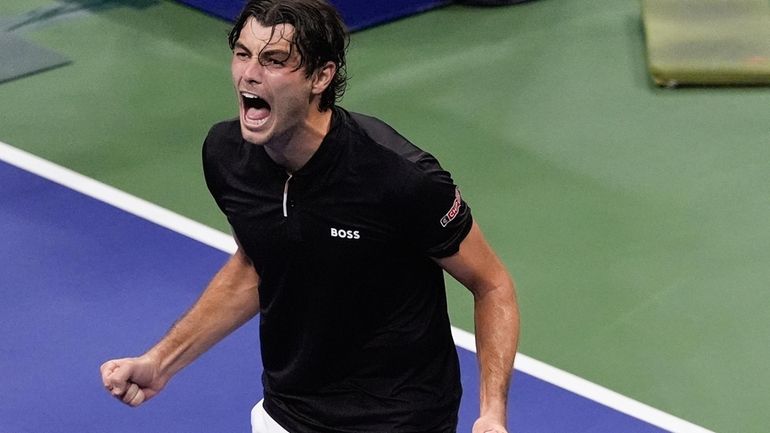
354	328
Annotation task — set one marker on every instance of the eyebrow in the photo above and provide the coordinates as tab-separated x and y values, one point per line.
240	46
267	50
271	51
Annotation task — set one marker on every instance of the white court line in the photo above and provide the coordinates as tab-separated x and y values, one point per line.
225	242
117	198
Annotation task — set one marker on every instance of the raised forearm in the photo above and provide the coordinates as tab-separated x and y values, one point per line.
230	300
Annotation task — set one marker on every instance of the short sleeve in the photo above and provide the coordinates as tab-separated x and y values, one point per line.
440	219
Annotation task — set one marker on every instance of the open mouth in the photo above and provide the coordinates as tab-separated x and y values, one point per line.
256	110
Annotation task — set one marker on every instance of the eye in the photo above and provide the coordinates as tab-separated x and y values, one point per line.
242	55
273	61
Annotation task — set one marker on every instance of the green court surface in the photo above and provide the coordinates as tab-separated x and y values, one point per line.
636	220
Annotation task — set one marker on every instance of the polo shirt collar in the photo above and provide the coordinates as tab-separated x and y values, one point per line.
329	148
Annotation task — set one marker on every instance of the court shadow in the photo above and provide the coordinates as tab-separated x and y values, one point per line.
44	15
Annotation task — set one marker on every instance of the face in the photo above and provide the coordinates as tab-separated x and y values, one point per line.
275	98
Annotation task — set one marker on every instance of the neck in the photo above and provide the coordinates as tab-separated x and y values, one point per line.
295	150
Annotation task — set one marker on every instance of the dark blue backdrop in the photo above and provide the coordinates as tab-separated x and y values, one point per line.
357	13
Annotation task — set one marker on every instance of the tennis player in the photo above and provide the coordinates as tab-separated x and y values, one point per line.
344	230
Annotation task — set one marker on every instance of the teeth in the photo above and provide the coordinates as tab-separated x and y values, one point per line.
249	95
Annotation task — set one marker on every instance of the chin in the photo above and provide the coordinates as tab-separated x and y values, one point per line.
253	137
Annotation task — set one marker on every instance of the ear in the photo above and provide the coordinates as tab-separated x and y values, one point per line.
323	77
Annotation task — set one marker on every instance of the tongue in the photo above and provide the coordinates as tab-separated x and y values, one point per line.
257	113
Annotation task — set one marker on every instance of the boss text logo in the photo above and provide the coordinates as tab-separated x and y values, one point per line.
345	234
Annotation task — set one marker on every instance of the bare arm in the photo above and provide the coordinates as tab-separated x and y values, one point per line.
496	314
229	301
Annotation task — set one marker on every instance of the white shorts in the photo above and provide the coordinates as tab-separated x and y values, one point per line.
261	422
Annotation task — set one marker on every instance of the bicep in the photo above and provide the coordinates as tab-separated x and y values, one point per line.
476	266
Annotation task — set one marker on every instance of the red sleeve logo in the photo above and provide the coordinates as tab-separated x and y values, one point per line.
446	219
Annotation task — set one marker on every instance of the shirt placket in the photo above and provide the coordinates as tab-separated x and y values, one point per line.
289	209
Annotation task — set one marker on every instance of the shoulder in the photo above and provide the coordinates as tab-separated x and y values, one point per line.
414	175
387	140
220	154
223	147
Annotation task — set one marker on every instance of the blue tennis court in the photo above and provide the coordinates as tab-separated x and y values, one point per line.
84	281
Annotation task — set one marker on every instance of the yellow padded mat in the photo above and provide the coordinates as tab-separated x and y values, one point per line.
707	42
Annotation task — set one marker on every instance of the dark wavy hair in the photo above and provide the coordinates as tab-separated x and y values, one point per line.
320	36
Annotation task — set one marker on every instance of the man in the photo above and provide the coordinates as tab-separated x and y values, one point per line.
343	229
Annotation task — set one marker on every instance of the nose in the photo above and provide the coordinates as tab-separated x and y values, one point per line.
253	72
